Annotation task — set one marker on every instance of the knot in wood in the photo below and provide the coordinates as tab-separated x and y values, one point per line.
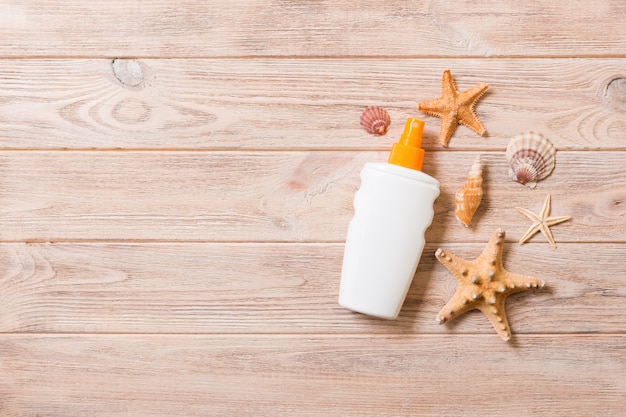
128	72
615	94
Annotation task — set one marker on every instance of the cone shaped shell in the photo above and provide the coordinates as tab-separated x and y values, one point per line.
468	198
375	120
531	158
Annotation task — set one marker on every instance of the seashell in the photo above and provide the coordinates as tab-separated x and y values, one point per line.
467	199
375	120
531	158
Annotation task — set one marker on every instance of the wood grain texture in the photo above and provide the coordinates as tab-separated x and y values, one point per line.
308	104
281	196
330	28
177	178
285	288
255	375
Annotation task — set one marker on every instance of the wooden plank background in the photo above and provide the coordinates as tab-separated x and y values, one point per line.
303	104
176	181
194	28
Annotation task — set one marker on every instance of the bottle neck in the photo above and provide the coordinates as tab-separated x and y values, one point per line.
407	151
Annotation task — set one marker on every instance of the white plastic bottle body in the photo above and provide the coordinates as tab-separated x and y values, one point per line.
392	210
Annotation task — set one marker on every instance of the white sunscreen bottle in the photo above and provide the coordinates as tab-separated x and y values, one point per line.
392	210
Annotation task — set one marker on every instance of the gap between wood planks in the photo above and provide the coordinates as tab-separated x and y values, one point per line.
307	57
35	242
328	335
273	150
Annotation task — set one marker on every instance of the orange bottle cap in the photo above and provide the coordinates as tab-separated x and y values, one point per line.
407	151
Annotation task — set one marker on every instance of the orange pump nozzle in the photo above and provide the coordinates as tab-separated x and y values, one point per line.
407	152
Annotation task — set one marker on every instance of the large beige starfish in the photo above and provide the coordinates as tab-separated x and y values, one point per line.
542	222
484	284
454	108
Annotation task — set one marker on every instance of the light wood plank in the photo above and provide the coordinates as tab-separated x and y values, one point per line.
311	375
288	288
252	28
300	104
285	196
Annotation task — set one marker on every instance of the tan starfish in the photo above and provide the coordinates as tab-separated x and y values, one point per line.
454	108
542	222
484	284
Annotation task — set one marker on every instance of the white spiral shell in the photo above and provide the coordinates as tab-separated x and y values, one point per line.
468	197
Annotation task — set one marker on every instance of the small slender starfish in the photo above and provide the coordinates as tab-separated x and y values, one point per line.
454	108
542	222
484	284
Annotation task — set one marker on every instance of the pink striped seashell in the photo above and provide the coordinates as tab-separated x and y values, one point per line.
531	158
375	120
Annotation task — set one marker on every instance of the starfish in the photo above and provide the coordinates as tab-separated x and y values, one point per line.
484	284
542	222
454	108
